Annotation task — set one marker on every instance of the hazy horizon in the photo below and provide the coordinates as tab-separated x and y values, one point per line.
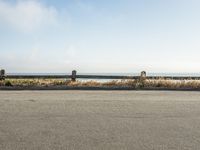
95	36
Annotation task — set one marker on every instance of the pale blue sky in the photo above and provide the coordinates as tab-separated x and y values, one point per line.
100	35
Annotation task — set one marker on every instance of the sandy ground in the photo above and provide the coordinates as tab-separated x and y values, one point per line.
99	120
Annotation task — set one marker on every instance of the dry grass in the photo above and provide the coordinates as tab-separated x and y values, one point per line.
34	82
157	83
177	84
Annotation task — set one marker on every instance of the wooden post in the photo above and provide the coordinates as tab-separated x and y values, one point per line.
2	74
142	79
73	78
143	75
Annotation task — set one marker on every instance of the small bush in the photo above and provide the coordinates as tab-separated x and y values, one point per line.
8	83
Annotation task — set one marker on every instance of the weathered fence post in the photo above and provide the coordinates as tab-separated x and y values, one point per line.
143	75
73	78
142	79
2	74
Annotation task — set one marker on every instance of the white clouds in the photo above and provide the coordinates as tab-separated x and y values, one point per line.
27	16
40	60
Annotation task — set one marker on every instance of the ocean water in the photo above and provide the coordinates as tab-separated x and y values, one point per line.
120	74
107	80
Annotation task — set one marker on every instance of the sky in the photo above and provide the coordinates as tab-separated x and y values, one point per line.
100	36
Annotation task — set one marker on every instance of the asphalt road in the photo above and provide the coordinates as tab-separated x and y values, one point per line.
99	120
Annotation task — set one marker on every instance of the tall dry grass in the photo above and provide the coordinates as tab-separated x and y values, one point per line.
138	84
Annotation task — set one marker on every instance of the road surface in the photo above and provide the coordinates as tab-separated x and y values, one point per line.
99	120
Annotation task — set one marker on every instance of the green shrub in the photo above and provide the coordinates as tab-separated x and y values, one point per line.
8	83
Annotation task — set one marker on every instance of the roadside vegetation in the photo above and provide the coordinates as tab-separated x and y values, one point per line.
137	84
